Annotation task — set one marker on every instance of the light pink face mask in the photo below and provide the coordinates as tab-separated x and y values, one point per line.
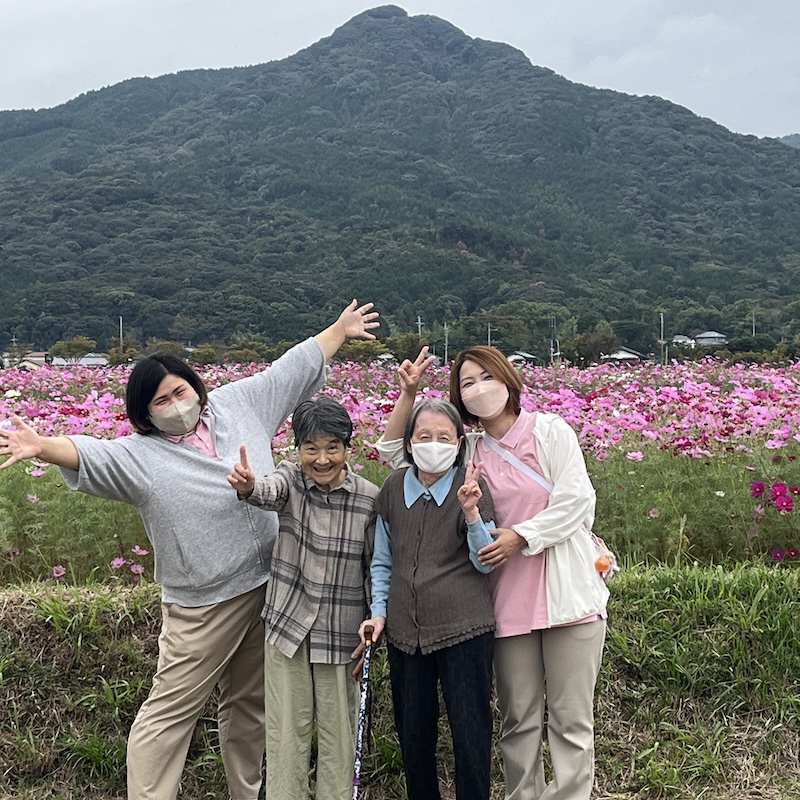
485	399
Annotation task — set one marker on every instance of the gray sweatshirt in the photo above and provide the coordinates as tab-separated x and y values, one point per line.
208	546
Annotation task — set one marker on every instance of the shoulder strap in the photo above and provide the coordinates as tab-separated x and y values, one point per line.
510	458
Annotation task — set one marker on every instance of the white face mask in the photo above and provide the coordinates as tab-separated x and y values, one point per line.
179	417
485	399
434	457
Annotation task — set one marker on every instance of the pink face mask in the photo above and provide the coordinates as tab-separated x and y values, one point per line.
485	399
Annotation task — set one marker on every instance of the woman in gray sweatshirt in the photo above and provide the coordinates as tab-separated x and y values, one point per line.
212	552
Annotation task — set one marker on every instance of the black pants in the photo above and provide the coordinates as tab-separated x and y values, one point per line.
465	673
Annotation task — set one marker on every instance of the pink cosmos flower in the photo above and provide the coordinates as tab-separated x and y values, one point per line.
793	552
777	554
653	513
784	503
634	455
758	510
33	498
58	572
117	562
757	488
139	550
137	569
777	490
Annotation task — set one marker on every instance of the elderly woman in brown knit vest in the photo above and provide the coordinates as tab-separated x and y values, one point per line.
431	593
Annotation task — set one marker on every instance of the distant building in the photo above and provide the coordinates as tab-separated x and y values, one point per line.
88	360
622	354
711	339
30	361
34	360
683	341
521	357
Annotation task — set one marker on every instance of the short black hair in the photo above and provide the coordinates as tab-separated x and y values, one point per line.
144	381
321	415
435	407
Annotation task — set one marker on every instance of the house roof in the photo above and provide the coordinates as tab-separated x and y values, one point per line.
623	354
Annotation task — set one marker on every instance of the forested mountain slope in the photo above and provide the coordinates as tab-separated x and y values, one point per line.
400	161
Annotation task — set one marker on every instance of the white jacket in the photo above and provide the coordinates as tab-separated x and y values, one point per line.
574	588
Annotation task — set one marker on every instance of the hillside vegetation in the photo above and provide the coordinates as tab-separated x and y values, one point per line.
400	161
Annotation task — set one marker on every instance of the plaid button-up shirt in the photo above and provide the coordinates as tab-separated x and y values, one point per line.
319	583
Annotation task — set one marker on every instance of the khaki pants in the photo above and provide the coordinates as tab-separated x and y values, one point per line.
561	665
299	694
199	648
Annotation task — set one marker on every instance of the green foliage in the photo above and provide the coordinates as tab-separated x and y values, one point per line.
402	162
203	354
73	348
697	696
405	345
671	508
42	525
361	350
156	345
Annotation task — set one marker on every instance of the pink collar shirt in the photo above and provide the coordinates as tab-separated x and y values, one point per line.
200	438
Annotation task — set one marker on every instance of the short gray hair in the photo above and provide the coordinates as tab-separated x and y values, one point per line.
321	415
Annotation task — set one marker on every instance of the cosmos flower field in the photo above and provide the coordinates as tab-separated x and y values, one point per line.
691	461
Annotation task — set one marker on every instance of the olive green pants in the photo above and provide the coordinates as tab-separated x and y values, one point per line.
300	695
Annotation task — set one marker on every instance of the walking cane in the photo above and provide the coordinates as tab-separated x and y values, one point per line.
362	709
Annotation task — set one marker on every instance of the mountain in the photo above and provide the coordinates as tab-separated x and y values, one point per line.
398	161
793	139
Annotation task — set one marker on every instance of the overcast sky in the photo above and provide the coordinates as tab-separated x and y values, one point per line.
735	61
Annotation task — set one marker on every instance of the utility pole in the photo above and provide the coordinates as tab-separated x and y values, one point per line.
661	341
121	348
754	323
489	330
446	341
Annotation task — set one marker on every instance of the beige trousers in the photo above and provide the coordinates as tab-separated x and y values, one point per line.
558	667
199	648
298	695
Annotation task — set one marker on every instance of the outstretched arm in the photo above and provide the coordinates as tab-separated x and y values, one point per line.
409	374
354	322
23	442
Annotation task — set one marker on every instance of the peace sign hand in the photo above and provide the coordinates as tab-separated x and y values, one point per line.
242	478
409	373
470	493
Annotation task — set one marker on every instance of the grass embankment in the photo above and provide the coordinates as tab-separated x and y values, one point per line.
699	694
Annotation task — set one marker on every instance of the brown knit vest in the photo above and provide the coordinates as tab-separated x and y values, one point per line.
436	597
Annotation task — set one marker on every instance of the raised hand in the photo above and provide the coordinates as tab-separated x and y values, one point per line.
409	372
356	321
470	492
242	478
